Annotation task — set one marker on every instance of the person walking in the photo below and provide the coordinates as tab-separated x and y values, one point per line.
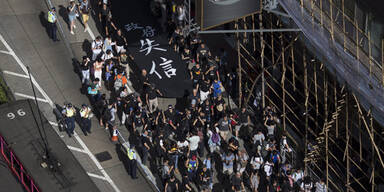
85	8
72	13
69	112
86	115
97	46
132	164
151	98
98	69
52	28
85	67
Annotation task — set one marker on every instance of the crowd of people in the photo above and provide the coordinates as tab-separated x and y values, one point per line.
207	145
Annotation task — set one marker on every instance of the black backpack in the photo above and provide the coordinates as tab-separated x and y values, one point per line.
107	115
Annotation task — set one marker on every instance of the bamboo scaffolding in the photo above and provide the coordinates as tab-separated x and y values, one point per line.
370	53
331	14
272	41
326	131
262	61
337	119
239	64
344	38
283	81
293	68
253	33
347	137
368	130
316	97
306	93
382	59
372	179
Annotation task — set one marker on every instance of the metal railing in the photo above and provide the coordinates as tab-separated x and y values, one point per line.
17	168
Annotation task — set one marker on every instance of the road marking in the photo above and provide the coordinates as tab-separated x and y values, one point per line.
5	52
30	97
53	123
24	68
82	144
76	149
97	176
16	74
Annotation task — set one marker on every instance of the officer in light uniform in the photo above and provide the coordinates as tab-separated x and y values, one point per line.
86	115
69	113
52	28
132	163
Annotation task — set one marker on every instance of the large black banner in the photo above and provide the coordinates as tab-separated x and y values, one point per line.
150	48
211	13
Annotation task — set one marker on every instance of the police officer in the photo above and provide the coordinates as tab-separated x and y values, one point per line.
52	28
132	163
85	114
69	112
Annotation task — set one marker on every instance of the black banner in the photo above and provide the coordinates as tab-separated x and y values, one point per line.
150	48
211	13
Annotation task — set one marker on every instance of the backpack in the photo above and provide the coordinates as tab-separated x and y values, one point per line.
107	114
118	83
215	137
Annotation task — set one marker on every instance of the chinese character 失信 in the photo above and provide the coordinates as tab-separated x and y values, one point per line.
132	26
148	31
153	70
167	67
146	45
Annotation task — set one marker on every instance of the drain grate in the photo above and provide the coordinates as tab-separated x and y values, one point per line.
103	156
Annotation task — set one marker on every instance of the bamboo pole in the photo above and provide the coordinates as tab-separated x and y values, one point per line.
382	59
344	36
357	47
321	13
283	80
369	132
370	53
326	120
239	64
253	33
316	85
372	179
272	41
331	11
306	102
293	69
347	136
337	119
245	34
262	62
360	140
312	15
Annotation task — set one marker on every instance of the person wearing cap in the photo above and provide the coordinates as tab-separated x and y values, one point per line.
86	115
132	163
69	112
52	28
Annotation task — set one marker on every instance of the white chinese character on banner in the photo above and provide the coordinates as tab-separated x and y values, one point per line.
132	26
148	31
148	46
167	67
153	70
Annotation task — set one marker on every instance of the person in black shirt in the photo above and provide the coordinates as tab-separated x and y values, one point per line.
219	107
85	66
186	184
237	183
244	118
120	41
146	147
205	87
212	70
151	98
170	119
205	176
110	27
207	108
171	185
175	39
202	52
196	74
103	17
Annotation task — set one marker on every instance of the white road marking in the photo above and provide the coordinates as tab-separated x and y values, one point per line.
76	149
53	123
24	68
82	144
15	74
97	176
5	52
30	97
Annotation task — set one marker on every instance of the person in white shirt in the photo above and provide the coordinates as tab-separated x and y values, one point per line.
298	175
258	138
193	144
96	46
256	162
268	167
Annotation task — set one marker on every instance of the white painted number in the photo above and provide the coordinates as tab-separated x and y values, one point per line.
11	115
20	112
